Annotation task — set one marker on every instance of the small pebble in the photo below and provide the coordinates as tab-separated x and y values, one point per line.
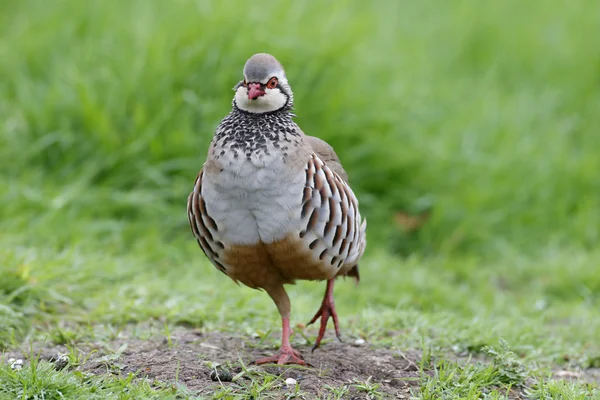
222	375
290	382
61	362
16	364
169	340
359	342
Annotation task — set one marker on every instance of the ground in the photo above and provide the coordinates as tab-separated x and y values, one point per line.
195	363
188	357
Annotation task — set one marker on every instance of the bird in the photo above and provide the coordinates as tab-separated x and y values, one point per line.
272	205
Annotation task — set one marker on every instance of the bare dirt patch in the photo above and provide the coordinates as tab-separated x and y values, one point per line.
186	359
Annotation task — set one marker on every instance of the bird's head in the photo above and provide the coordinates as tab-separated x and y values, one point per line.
264	87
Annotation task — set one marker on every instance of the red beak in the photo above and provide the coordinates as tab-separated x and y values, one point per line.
254	91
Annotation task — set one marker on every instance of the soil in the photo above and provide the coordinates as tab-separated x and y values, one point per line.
189	357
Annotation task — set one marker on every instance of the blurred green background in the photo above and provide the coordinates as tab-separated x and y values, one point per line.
485	114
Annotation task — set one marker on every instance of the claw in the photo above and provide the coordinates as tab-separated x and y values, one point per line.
326	310
287	355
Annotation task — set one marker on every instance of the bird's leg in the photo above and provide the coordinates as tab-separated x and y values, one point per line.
327	310
286	355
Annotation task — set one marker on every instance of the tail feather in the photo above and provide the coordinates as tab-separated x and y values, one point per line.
354	273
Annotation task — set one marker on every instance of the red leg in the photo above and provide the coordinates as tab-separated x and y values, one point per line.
327	310
286	355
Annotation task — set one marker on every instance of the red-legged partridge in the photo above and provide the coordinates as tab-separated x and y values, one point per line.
272	205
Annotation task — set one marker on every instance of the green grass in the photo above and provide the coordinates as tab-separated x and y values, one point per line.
40	380
486	114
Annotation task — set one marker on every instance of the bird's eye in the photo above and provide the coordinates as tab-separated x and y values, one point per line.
244	83
272	83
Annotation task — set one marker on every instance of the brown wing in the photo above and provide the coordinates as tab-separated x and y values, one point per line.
327	154
203	226
334	227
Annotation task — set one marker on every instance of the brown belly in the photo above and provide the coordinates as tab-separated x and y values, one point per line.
266	264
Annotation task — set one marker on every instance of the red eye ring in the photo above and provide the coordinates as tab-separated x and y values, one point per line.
272	84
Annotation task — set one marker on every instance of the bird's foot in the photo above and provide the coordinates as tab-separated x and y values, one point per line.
327	310
286	355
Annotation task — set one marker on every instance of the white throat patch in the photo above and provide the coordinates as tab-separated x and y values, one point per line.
272	100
